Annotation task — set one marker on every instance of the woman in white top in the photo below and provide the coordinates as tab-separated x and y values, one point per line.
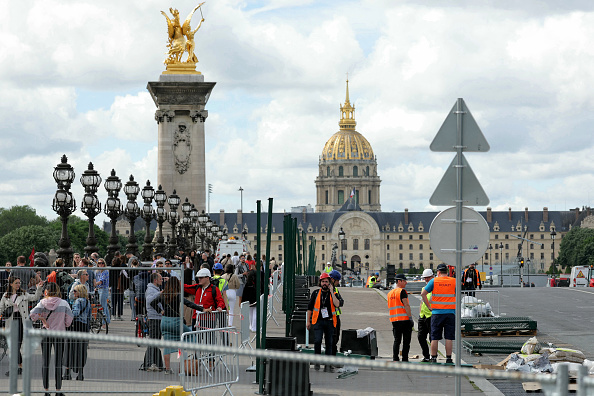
15	306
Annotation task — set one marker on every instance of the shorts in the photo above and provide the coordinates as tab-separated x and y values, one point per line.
445	322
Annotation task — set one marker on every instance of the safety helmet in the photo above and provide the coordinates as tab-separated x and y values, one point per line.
377	274
324	276
203	273
218	266
427	273
335	275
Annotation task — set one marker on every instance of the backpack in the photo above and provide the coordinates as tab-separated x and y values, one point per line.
64	280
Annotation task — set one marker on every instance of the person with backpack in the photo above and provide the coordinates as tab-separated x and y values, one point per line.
206	294
76	355
61	277
141	282
221	283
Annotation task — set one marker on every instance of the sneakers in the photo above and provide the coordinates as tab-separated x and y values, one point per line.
328	369
433	360
449	361
153	367
425	360
168	371
317	367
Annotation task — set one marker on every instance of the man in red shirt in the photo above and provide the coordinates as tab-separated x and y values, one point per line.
204	292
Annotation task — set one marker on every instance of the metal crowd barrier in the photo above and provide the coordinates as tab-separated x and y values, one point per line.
487	301
205	369
212	320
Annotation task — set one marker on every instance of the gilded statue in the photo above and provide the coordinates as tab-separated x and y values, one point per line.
181	37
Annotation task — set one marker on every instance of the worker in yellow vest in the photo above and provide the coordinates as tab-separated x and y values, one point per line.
424	323
321	315
401	318
328	268
370	281
443	311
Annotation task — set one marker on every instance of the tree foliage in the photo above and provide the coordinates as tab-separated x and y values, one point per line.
21	241
577	248
19	216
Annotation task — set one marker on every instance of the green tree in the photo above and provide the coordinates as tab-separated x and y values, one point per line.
78	230
19	216
577	247
21	241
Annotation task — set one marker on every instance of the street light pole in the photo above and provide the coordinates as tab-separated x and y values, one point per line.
161	215
501	261
147	214
132	212
553	234
64	205
341	237
490	254
90	205
241	195
113	209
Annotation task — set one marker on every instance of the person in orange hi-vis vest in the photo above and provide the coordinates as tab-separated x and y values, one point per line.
321	314
443	311
401	318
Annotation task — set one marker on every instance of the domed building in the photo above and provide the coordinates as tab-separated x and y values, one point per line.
347	167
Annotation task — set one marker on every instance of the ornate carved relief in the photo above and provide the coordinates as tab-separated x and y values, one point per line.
182	148
161	115
198	115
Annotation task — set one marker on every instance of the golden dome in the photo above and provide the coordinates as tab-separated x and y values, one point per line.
347	144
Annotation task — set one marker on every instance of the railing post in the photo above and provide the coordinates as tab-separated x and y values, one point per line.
14	355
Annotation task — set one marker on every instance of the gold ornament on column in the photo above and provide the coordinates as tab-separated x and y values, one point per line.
181	40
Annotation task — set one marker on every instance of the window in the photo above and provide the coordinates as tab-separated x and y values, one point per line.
431	256
531	256
496	256
369	196
410	256
507	256
399	236
541	236
486	256
355	171
255	237
388	236
420	256
280	257
388	256
127	232
399	256
506	236
412	265
340	197
326	197
400	247
421	246
410	247
507	245
542	256
410	237
496	236
280	237
355	244
367	171
542	247
340	171
280	247
328	171
323	237
387	247
367	243
401	265
531	246
420	236
323	247
323	257
344	244
531	236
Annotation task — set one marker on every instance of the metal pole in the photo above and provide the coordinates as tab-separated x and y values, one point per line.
258	257
501	261
458	382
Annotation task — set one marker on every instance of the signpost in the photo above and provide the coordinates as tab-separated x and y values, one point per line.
459	186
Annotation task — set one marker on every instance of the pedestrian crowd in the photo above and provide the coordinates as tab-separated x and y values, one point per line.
55	298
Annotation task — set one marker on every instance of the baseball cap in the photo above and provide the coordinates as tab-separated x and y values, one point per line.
400	277
442	267
203	273
426	273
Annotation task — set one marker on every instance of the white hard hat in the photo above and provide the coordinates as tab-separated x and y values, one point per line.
427	272
328	263
203	272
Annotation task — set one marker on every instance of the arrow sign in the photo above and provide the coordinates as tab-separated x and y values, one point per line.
472	137
472	191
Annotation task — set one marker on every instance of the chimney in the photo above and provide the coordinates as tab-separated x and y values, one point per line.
509	214
405	216
222	218
239	219
577	214
489	216
545	214
526	214
304	214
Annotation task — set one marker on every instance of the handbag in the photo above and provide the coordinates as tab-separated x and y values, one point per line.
8	312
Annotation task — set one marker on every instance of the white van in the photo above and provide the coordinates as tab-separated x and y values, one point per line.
231	246
580	276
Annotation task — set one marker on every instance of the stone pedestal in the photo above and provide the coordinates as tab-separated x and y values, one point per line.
180	115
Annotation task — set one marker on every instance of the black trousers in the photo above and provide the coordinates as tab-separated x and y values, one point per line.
323	328
46	353
424	331
153	355
336	336
402	331
117	303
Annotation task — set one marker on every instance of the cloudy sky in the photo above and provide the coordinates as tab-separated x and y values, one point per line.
73	78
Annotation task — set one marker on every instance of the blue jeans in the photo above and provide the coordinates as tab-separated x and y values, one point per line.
325	328
103	293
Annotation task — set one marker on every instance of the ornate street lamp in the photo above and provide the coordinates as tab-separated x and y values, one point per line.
194	215
113	210
490	254
64	204
90	205
147	214
341	237
202	220
215	236
186	222
132	212
173	202
553	235
161	215
501	260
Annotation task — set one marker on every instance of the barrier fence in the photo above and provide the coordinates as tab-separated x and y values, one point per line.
480	303
215	362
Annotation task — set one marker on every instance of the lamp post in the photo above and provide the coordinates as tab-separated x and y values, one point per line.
194	215
215	236
341	236
90	205
161	216
147	214
131	212
186	210
553	235
173	202
209	223
113	210
64	204
490	254
202	219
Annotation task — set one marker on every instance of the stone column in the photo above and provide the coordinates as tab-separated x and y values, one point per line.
180	115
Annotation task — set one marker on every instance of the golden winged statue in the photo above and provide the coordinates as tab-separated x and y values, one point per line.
181	37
